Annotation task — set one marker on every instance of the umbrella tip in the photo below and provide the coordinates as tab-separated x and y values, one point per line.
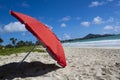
10	11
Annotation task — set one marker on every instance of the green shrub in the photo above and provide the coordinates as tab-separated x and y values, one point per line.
9	51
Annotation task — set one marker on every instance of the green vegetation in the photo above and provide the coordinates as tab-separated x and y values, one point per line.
13	40
19	46
9	51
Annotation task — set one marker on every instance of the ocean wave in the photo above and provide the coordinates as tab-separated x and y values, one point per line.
100	43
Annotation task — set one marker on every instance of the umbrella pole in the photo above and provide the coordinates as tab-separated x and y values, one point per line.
27	54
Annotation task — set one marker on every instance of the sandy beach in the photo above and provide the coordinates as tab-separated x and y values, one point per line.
82	64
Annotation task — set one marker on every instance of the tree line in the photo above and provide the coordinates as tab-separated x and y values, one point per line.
15	43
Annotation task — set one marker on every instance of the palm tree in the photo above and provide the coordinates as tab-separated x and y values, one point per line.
20	43
13	40
1	40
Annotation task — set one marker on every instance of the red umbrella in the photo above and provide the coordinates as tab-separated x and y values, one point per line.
45	35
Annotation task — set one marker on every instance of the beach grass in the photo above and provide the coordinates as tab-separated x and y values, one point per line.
9	51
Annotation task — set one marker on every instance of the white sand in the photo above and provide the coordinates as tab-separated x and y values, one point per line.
82	64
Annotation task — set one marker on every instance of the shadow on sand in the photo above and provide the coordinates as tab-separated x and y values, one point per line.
32	69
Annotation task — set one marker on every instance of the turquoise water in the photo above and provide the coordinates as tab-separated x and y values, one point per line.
101	38
109	41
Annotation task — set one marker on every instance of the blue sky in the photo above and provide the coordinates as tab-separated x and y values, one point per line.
67	18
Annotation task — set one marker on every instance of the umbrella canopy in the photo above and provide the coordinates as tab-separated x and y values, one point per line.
45	35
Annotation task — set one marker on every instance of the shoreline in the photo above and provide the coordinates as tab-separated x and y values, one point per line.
98	43
92	47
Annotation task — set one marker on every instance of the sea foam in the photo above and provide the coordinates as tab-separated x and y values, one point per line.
100	43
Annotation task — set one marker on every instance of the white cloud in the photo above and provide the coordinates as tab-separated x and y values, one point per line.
49	26
14	27
1	30
95	4
108	27
97	20
23	34
63	25
66	36
85	23
117	28
78	18
24	4
109	0
101	3
67	18
113	28
111	19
